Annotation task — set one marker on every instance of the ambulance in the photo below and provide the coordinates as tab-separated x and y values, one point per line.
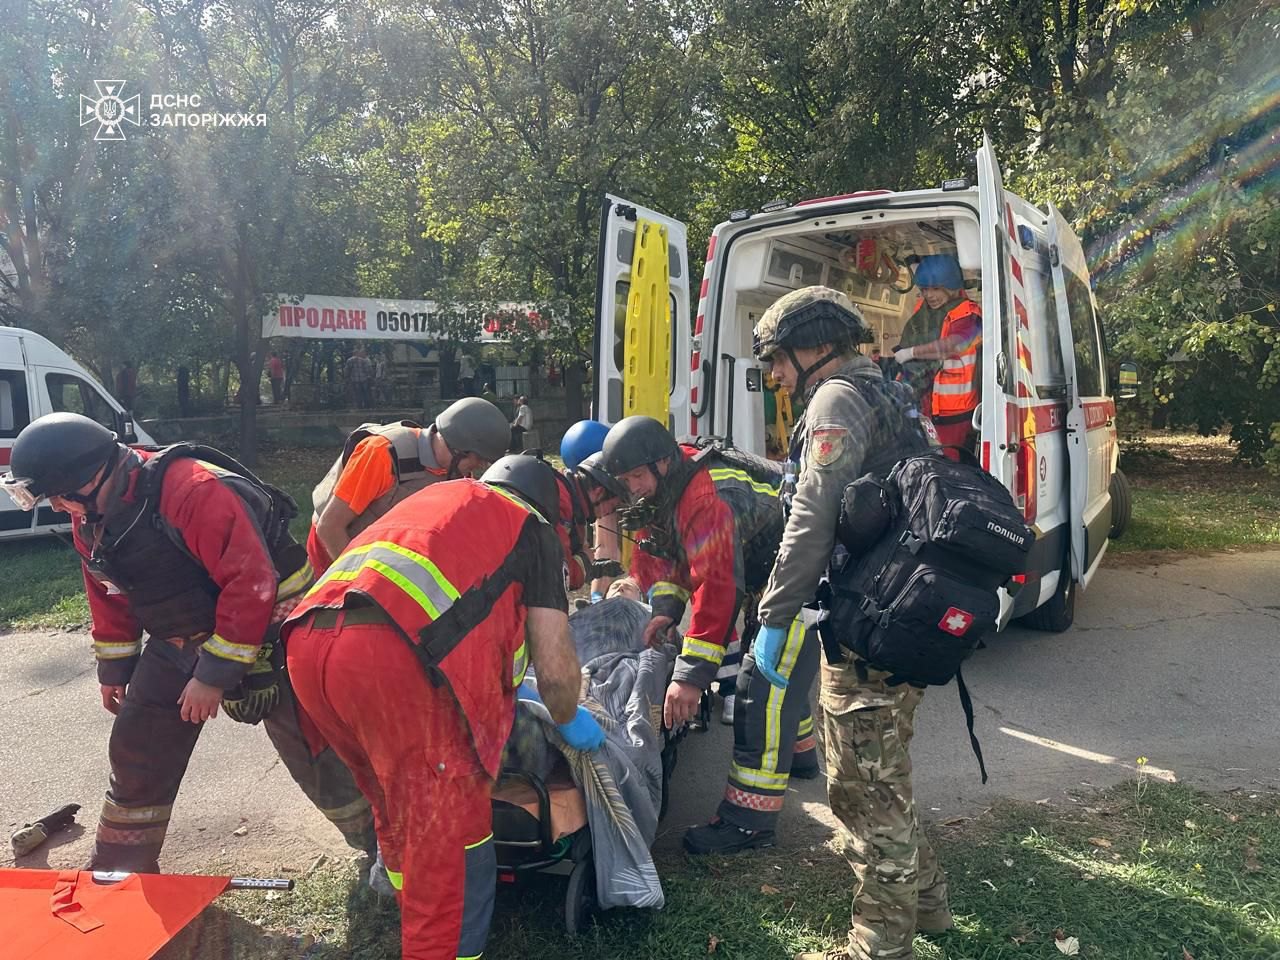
1046	419
37	377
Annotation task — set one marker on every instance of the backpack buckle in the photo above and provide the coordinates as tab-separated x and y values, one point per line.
910	541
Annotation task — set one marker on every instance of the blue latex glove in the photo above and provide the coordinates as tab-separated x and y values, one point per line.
582	732
526	691
596	596
768	651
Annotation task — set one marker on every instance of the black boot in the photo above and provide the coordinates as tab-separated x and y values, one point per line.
721	836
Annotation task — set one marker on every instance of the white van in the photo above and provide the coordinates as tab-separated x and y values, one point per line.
1046	418
36	378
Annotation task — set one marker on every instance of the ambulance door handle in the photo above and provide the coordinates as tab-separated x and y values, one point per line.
1010	447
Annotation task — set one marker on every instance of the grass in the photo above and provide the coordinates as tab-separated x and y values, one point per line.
1167	872
1188	497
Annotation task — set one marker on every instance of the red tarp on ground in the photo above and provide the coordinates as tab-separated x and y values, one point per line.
127	920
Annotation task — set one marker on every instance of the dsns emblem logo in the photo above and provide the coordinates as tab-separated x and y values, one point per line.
110	110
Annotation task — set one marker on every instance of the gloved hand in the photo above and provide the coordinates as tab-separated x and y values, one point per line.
768	651
605	568
582	732
904	355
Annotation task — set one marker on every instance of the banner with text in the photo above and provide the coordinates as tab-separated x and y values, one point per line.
360	318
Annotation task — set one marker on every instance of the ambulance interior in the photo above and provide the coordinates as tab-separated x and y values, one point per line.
868	255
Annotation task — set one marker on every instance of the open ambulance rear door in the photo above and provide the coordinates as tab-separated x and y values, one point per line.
642	317
1090	412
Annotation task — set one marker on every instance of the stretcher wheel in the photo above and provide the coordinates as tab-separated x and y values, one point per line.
580	898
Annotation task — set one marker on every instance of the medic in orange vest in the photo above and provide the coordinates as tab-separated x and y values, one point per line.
408	654
955	389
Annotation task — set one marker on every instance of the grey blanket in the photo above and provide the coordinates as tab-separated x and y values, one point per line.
622	782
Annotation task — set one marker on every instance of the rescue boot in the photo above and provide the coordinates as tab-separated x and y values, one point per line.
721	836
807	769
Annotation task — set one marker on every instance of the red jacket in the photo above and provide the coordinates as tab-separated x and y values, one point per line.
572	531
704	577
225	539
444	564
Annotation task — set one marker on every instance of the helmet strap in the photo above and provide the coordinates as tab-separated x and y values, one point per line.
90	500
802	375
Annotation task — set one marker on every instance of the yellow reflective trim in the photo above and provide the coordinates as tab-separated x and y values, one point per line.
664	588
115	651
397	879
773	706
239	652
449	589
296	581
701	650
728	473
472	846
805	727
523	504
405	584
767	779
519	664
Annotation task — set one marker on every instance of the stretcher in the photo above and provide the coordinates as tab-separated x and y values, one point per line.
94	915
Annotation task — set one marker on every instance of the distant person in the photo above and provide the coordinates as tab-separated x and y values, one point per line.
275	373
381	389
467	376
522	424
184	392
127	385
359	376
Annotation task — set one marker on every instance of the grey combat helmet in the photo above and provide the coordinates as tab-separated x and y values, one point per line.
474	425
636	442
809	317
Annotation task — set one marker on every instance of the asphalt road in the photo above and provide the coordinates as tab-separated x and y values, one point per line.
1177	663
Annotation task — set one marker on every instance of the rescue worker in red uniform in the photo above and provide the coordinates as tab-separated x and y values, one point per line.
946	327
380	465
589	495
707	534
187	545
408	654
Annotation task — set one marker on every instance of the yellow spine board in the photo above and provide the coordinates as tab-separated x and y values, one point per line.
646	375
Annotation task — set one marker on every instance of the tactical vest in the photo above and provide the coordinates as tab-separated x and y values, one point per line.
170	594
408	441
448	586
955	385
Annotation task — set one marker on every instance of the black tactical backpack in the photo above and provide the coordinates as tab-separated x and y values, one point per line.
913	587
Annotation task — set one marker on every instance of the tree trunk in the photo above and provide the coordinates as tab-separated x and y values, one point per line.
575	376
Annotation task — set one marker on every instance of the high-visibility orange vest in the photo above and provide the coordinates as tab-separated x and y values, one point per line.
956	385
436	565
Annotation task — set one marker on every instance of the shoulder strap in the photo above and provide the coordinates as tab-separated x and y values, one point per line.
966	704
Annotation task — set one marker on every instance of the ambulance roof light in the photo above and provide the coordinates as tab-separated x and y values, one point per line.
738	215
775	205
957	183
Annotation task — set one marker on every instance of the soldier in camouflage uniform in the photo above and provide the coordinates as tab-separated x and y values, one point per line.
810	338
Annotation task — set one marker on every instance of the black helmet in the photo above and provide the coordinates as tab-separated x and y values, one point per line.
810	317
474	425
56	455
592	471
635	442
533	480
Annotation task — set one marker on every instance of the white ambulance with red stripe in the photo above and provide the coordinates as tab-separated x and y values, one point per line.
38	377
1046	420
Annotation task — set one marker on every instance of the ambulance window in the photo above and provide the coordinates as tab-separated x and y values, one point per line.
1084	336
69	394
627	250
14	411
1046	346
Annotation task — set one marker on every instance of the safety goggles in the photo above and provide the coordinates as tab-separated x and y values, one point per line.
20	492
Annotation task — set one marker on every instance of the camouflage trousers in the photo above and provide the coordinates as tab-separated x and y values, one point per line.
867	727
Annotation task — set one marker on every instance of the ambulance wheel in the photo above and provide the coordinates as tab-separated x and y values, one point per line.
580	898
1058	612
1121	504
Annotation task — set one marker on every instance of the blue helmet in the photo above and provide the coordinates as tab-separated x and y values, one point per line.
582	440
939	270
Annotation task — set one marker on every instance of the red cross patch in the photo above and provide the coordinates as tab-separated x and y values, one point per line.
956	622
